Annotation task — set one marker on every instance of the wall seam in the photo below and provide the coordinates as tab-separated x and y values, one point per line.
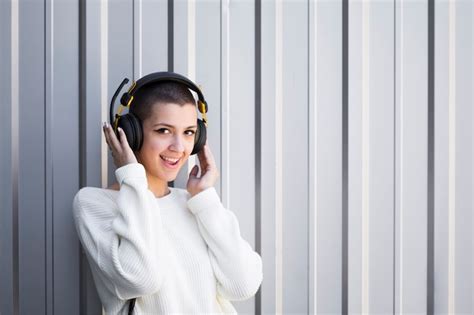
312	164
171	36
48	65
345	155
394	153
365	156
279	156
258	145
82	136
451	156
15	148
430	179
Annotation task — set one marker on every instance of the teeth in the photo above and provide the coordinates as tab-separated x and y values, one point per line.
169	159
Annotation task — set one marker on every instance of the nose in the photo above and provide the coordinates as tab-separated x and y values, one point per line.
177	144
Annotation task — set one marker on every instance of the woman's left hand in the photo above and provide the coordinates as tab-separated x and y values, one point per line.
209	172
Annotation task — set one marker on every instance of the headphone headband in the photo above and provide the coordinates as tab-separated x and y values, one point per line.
156	77
163	77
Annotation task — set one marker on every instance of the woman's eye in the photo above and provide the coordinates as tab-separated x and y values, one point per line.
165	131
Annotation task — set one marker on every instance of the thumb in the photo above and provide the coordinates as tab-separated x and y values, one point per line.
194	171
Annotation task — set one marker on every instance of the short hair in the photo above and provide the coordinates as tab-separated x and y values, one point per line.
161	92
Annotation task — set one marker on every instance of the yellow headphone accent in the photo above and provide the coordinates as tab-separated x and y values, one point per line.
202	109
119	111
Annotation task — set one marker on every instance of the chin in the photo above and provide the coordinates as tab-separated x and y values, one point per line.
171	176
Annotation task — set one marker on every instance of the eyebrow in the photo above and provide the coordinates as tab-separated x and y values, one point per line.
171	126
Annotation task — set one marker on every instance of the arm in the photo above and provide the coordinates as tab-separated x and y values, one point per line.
238	268
126	245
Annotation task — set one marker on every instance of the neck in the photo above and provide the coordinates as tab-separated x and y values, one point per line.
157	186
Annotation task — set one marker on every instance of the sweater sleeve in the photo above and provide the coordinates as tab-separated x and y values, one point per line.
126	246
238	268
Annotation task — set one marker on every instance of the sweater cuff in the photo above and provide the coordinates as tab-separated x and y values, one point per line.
206	199
131	170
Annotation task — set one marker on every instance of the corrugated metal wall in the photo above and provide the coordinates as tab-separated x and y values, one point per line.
342	129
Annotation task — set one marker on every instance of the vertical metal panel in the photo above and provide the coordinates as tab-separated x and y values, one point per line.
184	34
441	158
90	137
48	166
463	287
150	36
269	201
451	157
90	116
472	173
92	63
411	126
295	156
207	67
355	275
180	42
7	248
120	56
312	147
31	189
62	89
225	101
15	154
240	144
105	160
380	146
328	128
279	154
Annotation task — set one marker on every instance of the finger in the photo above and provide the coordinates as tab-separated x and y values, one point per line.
106	135
122	137
123	140
194	171
114	142
203	160
209	155
209	162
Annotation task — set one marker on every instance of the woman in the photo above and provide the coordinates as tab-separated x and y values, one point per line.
173	250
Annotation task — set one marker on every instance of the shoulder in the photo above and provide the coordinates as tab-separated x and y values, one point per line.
93	199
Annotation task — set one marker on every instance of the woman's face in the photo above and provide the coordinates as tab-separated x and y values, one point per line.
168	135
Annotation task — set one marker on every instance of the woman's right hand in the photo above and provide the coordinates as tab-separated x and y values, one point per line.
121	151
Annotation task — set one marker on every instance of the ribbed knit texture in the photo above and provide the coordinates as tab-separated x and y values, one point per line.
176	254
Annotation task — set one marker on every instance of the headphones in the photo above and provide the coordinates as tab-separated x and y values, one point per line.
131	124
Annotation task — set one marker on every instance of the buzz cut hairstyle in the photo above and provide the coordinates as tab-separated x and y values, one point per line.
160	92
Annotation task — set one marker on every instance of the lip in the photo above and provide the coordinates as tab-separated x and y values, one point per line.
170	166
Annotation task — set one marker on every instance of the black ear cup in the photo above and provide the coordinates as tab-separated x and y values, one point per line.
132	126
201	137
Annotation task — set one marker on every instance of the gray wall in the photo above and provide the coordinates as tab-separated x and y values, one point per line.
342	130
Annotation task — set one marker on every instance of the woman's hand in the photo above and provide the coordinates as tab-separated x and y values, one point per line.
121	151
209	172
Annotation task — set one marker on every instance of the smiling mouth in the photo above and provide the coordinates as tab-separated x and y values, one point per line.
170	161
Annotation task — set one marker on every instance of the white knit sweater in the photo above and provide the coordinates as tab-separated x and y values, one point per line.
176	254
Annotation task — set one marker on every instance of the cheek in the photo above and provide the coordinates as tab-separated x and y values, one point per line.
189	147
155	144
151	150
